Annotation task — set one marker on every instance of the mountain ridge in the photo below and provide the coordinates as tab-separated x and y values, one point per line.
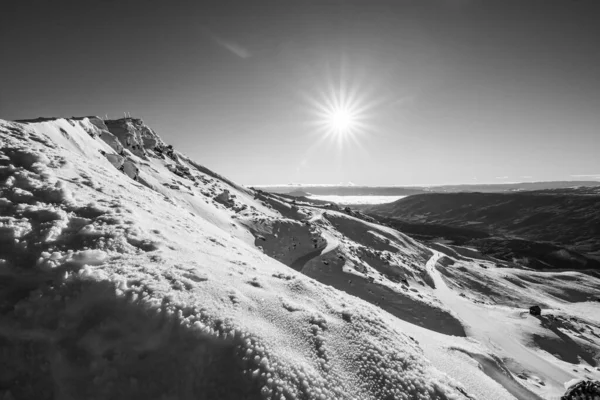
407	190
557	218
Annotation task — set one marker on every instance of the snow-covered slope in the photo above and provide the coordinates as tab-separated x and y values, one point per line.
114	287
129	271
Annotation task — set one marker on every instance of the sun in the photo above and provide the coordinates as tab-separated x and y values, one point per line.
340	114
341	108
341	120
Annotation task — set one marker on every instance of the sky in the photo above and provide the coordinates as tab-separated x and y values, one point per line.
439	92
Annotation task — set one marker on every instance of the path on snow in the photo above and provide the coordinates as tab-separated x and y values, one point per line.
488	324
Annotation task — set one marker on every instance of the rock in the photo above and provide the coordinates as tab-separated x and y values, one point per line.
535	310
583	390
346	316
223	197
132	134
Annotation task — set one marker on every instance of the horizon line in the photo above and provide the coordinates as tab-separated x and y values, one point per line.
299	185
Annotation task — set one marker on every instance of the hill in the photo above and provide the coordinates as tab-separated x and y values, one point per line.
130	271
356	190
551	228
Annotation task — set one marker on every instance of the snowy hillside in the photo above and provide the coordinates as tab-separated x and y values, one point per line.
129	271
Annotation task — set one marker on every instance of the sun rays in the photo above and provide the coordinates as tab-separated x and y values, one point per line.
340	113
342	110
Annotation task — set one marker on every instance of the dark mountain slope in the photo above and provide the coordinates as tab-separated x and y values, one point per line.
556	228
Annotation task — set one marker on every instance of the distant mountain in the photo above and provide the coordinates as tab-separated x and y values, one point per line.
324	190
298	193
513	187
555	228
340	190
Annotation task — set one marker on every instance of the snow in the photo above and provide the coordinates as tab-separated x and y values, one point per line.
130	271
130	288
509	332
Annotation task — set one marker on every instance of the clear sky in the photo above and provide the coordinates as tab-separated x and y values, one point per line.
456	91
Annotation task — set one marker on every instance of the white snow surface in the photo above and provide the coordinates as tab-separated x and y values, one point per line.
129	271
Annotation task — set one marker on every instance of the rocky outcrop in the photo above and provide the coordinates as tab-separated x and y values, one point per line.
224	197
135	136
583	390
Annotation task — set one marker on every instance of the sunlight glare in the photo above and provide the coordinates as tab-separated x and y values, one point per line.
340	114
341	120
